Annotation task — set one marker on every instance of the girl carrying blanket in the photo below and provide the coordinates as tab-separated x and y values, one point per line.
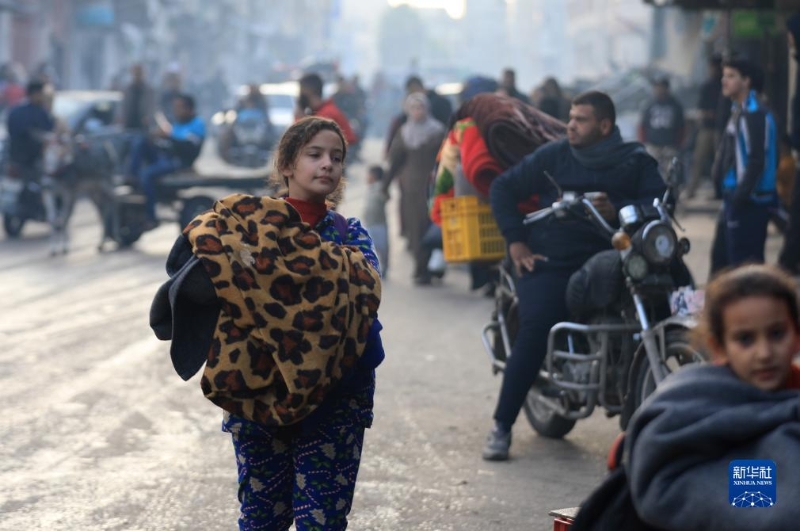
279	298
687	445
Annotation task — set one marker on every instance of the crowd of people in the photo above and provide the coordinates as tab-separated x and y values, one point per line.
308	407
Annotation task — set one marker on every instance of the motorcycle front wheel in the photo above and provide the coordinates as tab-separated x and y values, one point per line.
13	225
679	352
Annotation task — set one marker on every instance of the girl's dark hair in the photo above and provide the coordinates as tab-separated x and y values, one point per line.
296	137
299	134
737	284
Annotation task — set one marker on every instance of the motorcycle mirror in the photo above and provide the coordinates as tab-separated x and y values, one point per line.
554	183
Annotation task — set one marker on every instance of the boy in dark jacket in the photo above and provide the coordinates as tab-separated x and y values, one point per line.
746	165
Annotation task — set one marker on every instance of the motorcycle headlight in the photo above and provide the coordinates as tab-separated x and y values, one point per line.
659	242
636	267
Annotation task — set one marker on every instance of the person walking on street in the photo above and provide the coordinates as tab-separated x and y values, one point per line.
706	141
551	100
311	103
593	158
790	253
138	102
662	126
746	165
375	215
412	158
508	85
285	320
28	125
440	108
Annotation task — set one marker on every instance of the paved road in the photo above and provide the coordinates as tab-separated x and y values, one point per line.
99	433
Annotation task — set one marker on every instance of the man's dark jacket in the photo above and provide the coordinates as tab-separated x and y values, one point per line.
25	125
624	171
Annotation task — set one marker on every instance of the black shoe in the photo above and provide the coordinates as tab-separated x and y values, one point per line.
497	444
423	280
149	225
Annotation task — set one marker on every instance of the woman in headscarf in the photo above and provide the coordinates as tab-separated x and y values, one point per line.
412	157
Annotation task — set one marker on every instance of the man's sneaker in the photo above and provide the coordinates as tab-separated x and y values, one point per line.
497	444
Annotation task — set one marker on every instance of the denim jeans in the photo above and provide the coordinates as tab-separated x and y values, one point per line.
148	164
542	304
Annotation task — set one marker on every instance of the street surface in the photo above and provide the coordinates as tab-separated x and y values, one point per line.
99	433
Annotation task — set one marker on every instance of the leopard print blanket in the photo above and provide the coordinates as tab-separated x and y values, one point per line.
295	310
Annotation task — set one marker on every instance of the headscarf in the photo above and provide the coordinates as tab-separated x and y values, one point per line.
414	133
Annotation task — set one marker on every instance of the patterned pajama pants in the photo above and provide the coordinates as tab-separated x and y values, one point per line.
307	479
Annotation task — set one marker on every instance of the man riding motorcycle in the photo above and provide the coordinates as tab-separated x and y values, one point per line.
28	125
594	161
172	147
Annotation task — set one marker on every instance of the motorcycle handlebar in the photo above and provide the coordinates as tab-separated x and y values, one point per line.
561	207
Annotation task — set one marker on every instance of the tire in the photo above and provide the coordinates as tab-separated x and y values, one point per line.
192	207
13	225
679	353
544	421
127	238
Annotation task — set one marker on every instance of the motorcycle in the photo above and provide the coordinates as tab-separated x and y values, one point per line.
625	337
251	142
21	198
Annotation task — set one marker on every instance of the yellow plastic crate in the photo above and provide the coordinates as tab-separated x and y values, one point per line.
469	231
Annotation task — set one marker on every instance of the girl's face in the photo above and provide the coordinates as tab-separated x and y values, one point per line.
760	341
318	168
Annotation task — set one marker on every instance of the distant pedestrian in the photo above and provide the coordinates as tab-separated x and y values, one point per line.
12	92
171	89
412	158
790	254
440	108
551	100
374	217
746	165
706	142
508	85
662	126
279	299
311	103
138	102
